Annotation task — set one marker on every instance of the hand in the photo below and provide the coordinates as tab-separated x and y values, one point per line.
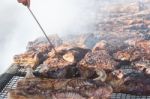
25	2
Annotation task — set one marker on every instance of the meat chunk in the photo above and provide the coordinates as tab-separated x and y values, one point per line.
27	59
97	61
60	65
129	54
31	88
136	86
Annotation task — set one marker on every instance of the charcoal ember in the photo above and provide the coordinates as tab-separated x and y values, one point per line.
55	39
27	59
96	62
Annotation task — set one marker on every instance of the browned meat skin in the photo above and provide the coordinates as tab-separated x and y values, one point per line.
34	45
60	65
132	83
143	67
33	57
96	62
140	43
143	44
101	91
136	86
98	59
115	79
42	84
20	94
57	67
67	95
102	45
76	54
129	54
84	89
16	94
27	59
111	46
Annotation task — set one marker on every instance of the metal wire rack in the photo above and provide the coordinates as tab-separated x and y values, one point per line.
12	85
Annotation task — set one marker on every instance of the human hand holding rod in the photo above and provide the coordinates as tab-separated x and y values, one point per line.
27	4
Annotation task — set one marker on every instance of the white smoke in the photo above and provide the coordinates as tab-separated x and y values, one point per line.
17	26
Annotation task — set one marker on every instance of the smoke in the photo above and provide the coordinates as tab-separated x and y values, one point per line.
63	17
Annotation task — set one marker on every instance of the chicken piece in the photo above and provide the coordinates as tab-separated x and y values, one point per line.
144	44
75	54
111	45
84	89
140	65
133	83
143	67
100	46
67	95
70	54
115	79
140	43
59	66
28	58
98	62
56	67
129	54
20	94
42	43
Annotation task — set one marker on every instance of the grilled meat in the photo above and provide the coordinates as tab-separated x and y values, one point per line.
129	54
60	89
60	65
96	61
133	83
27	59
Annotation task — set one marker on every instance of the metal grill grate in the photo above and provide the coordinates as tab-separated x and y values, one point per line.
12	85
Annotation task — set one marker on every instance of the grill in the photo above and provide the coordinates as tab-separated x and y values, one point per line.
11	81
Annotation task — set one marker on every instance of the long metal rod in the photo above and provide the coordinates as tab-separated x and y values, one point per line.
42	30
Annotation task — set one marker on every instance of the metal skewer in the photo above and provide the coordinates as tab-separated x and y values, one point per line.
42	30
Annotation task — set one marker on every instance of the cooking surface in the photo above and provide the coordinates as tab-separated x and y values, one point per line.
12	85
